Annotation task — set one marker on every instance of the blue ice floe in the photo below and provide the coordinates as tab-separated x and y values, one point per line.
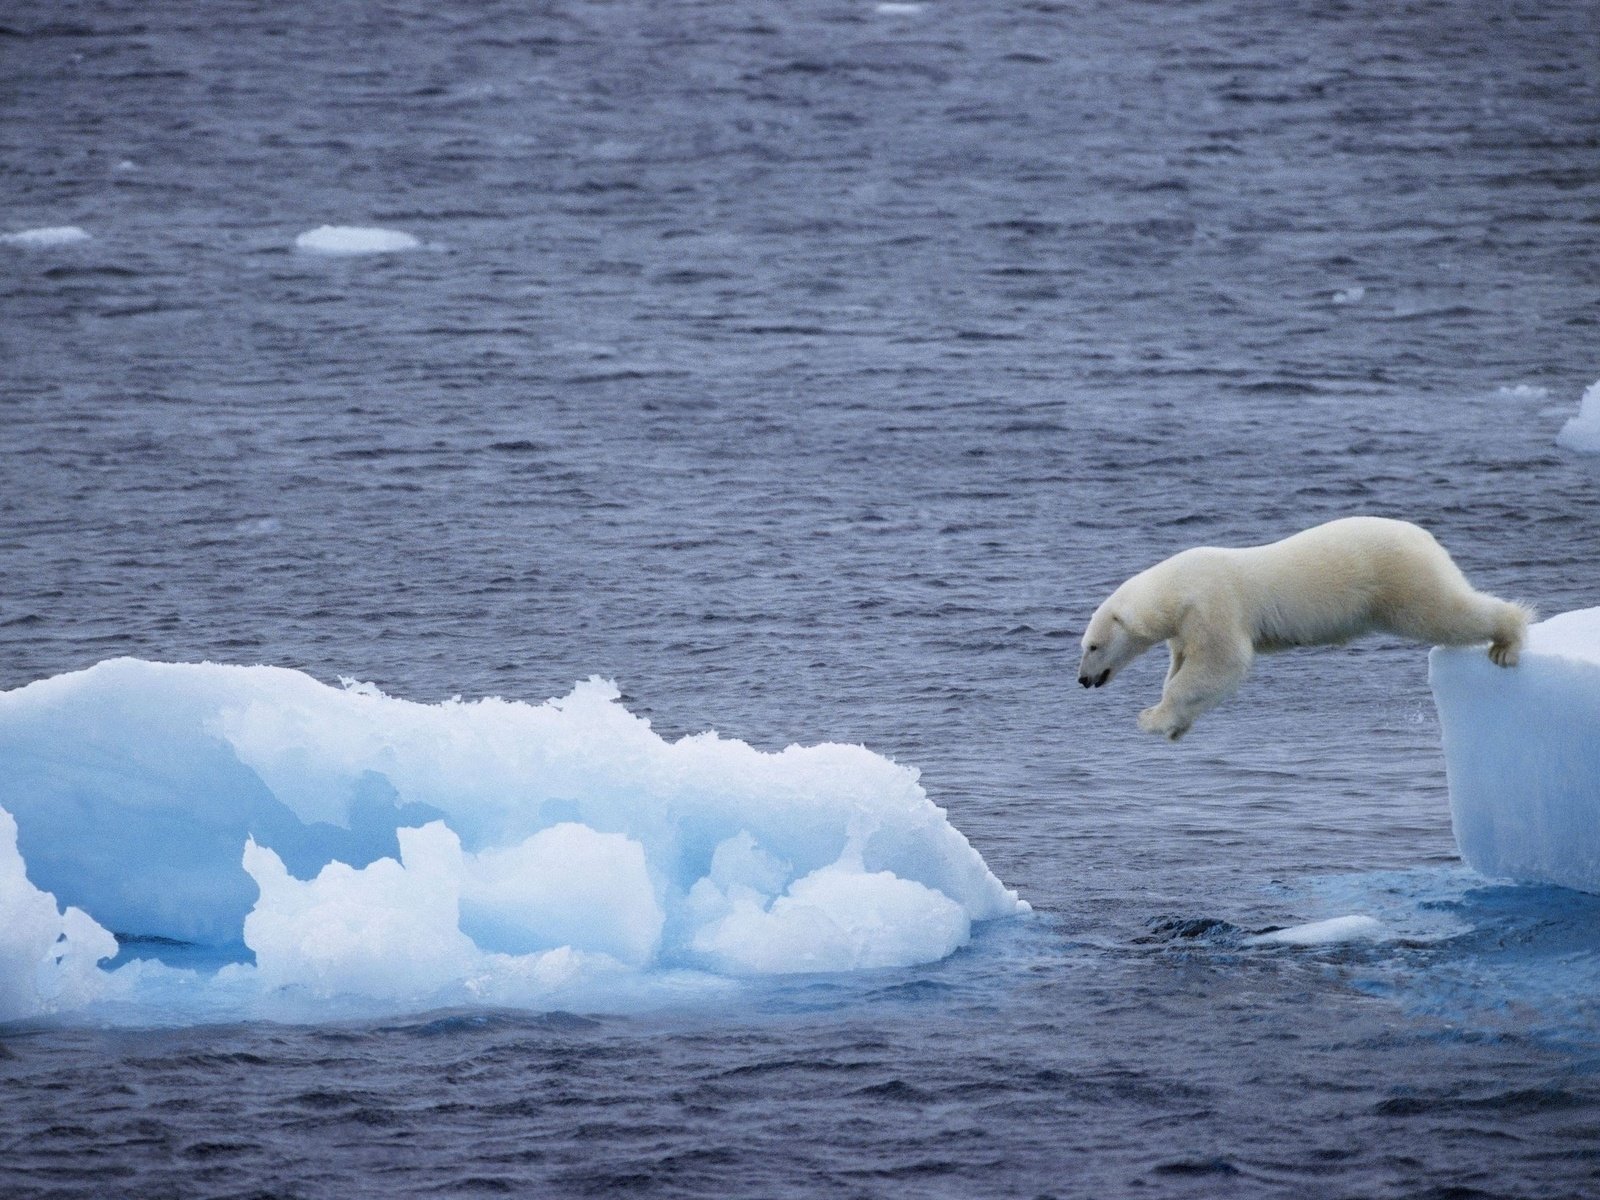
353	844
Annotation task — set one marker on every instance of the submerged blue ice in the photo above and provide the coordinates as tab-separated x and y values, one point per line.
497	851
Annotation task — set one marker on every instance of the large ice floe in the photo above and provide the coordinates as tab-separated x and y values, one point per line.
328	843
1522	753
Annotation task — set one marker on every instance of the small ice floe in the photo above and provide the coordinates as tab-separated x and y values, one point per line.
1349	295
1523	391
53	235
354	239
897	8
1322	933
1582	432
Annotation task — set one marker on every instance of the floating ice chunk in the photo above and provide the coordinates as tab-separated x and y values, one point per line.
354	239
362	845
54	235
48	959
1522	753
897	8
1353	928
1352	295
1523	391
1582	432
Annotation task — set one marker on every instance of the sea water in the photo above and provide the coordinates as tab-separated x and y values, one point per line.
811	371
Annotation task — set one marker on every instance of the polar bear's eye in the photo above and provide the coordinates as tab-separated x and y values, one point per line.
1094	646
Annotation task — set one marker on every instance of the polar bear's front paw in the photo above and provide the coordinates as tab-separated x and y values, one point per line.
1155	720
1503	654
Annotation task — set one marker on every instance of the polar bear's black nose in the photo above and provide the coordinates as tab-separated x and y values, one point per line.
1083	679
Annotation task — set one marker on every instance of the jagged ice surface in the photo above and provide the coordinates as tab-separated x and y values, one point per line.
48	959
1522	753
361	845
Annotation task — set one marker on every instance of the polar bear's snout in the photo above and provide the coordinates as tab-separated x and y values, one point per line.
1105	649
1108	646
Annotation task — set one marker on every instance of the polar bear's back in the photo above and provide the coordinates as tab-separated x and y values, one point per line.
1338	580
1367	546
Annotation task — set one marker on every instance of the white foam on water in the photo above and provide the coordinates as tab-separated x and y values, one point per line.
370	851
54	235
354	239
1582	432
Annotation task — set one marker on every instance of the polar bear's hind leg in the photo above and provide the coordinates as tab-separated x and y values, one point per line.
1468	618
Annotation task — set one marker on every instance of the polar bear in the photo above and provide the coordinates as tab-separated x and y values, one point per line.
1217	608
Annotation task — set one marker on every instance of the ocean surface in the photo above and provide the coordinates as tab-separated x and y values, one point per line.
813	369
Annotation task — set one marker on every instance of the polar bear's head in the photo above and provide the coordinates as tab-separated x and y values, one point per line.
1108	645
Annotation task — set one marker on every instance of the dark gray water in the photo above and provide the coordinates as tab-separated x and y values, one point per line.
814	371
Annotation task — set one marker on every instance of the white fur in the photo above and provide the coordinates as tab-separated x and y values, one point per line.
1217	608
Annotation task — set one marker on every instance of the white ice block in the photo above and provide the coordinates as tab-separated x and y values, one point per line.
354	239
1522	753
362	845
1582	432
